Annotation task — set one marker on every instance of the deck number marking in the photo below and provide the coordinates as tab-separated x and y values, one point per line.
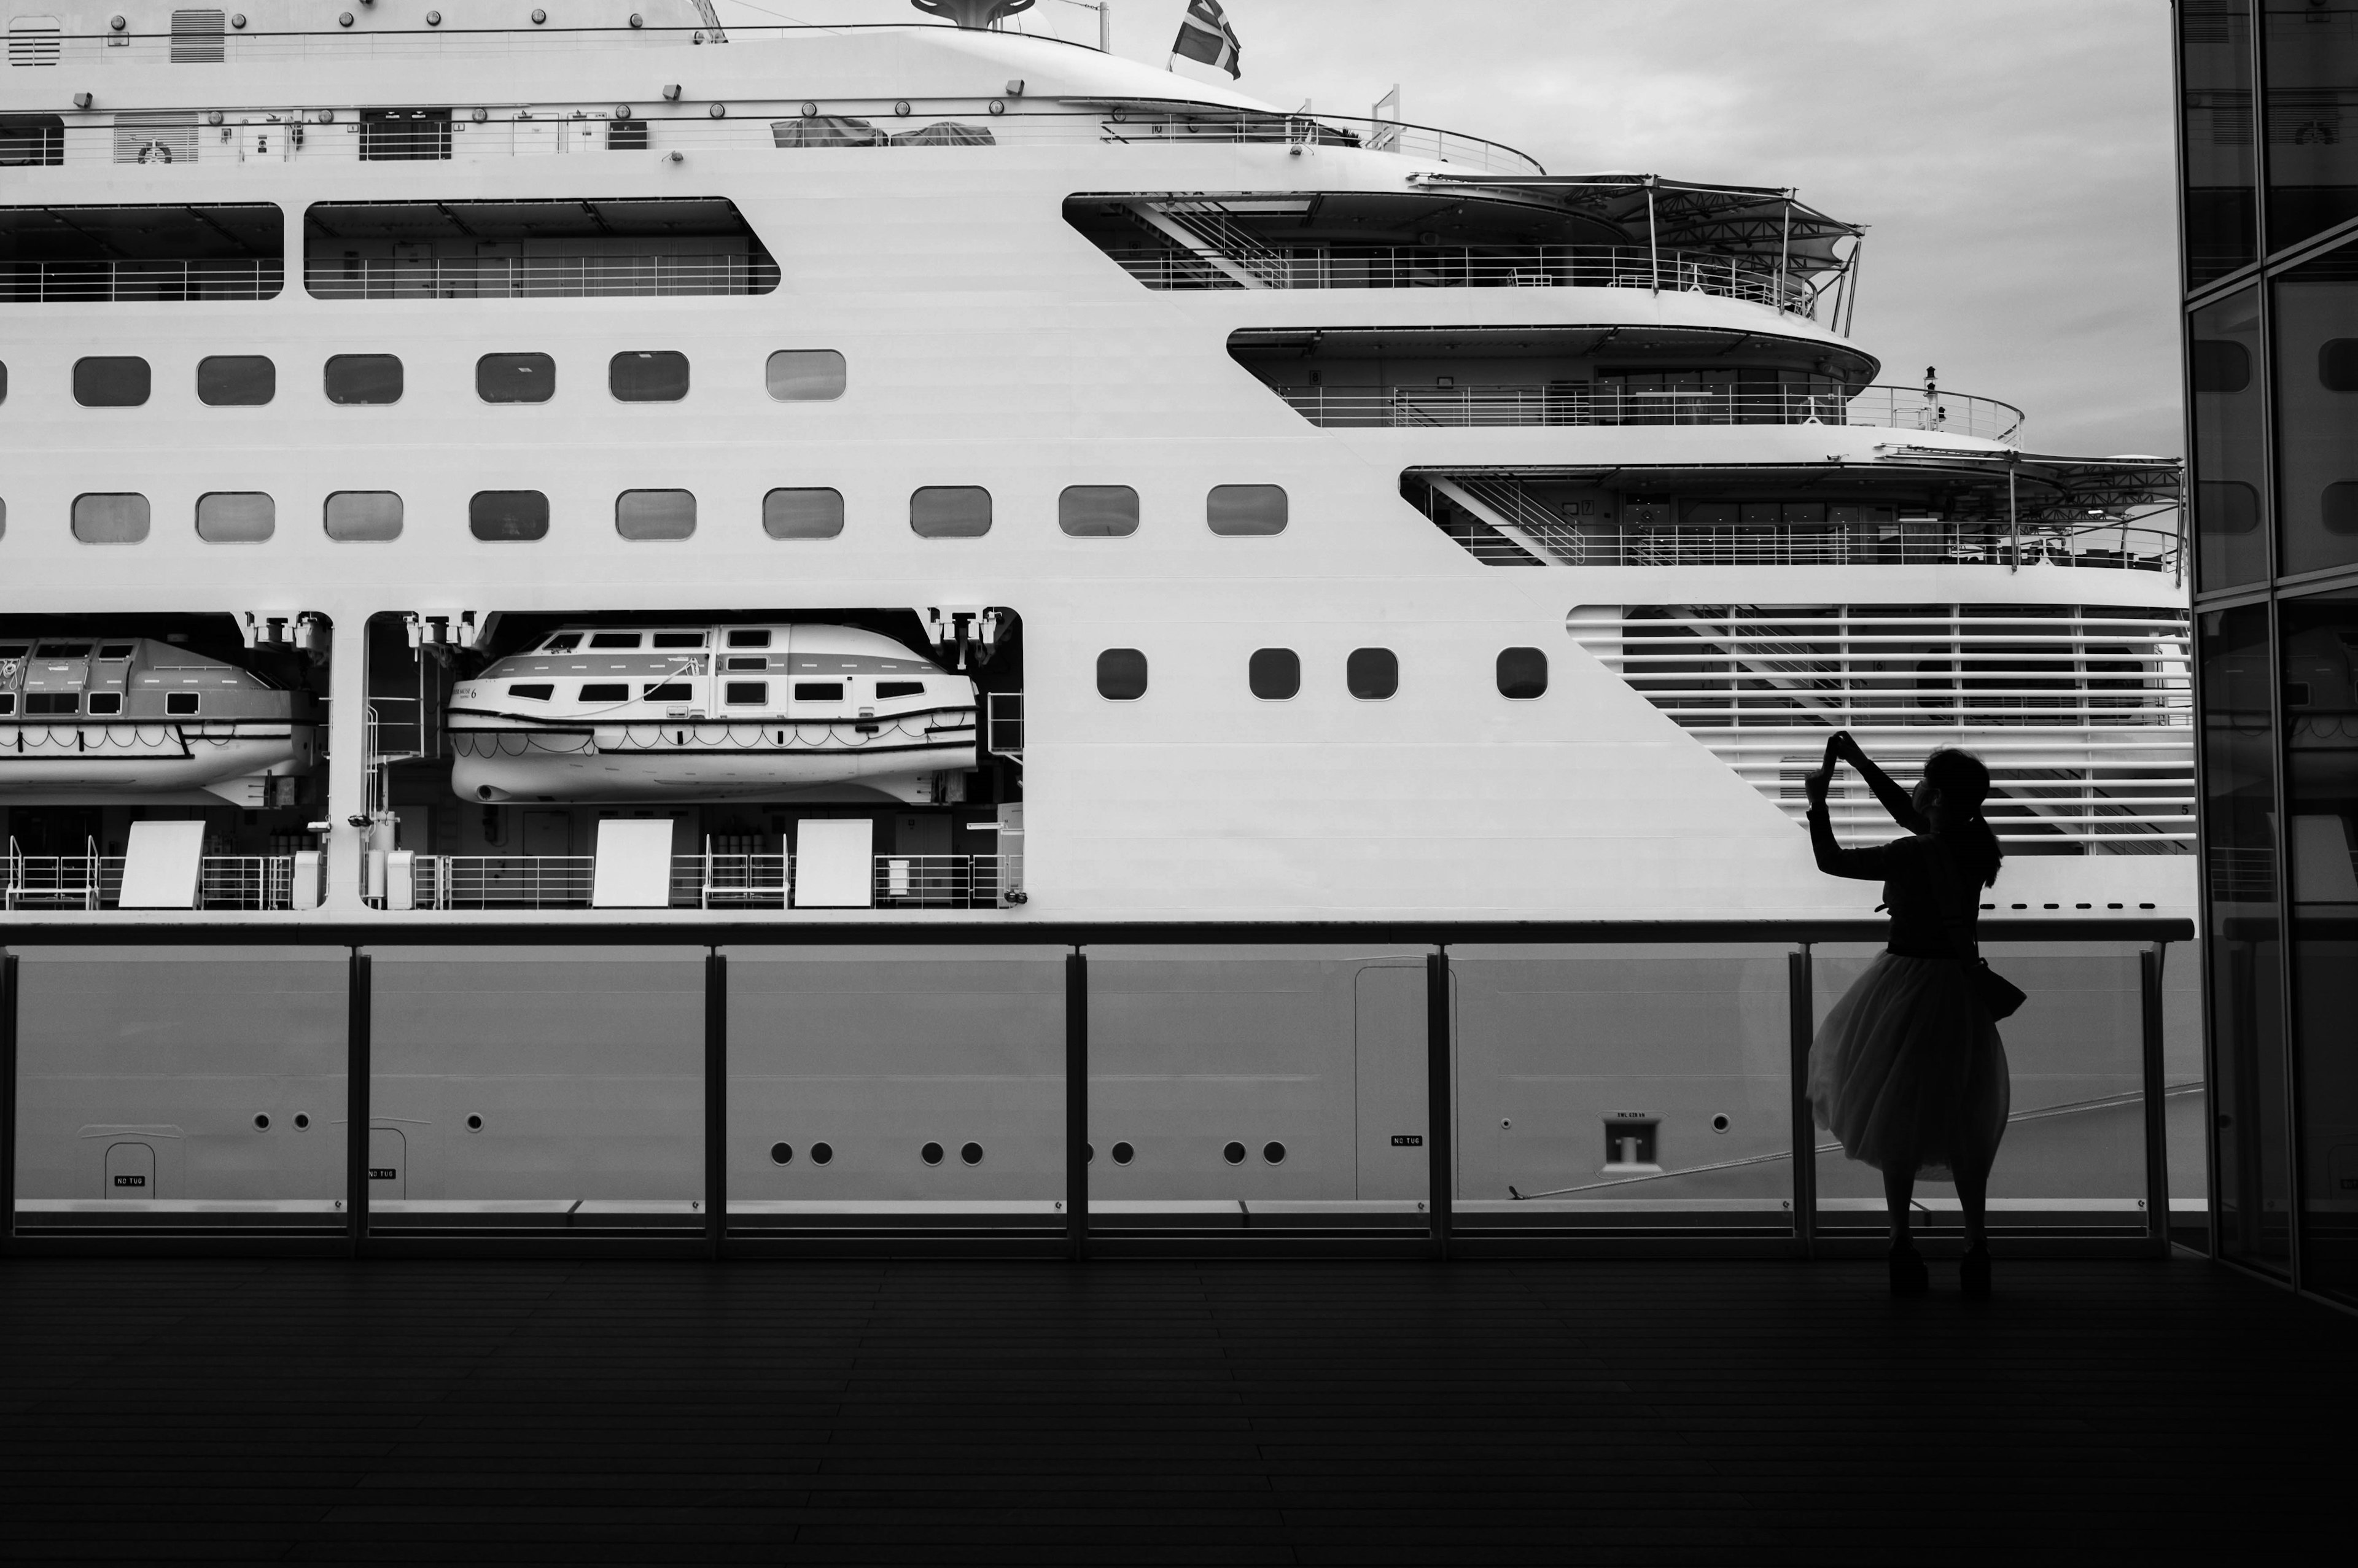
1408	1139
130	1181
383	1173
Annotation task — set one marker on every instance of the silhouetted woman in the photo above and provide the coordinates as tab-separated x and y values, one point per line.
1907	1070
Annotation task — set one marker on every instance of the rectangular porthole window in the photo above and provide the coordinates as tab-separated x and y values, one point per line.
804	376
110	519
605	691
51	704
181	704
667	691
1097	511
508	514
680	640
615	640
1246	509
647	377
236	381
655	514
755	691
515	378
110	381
236	517
1523	674
886	690
753	639
563	642
7	703
1122	675
950	512
362	380
1274	674
535	691
102	703
1372	673
355	516
818	691
749	662
802	514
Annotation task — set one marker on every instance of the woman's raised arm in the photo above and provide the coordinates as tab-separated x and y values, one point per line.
1895	800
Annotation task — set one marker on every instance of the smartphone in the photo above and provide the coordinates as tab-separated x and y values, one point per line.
1831	742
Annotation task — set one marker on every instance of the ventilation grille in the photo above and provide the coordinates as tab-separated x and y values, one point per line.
34	41
197	37
2081	712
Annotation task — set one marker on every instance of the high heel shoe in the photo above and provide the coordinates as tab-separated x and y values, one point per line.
1973	1275
1907	1276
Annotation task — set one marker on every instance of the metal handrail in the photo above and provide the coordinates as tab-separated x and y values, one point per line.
570	277
1607	403
1463	266
225	277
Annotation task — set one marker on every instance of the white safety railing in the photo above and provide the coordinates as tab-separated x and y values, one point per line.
537	277
714	882
227	277
93	882
1461	267
1607	403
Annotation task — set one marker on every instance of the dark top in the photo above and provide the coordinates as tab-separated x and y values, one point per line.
1933	898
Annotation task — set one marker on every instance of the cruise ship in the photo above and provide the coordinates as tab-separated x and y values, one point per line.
524	463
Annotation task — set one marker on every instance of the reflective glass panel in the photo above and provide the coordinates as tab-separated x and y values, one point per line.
2215	74
655	514
1246	509
508	514
2315	323
515	378
2313	111
236	517
2230	447
236	381
950	512
1097	511
810	513
362	515
804	376
363	378
110	381
117	519
648	376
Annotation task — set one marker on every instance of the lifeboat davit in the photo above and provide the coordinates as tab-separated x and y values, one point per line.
100	718
594	713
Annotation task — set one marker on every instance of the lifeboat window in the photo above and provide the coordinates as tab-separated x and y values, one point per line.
180	704
14	650
563	642
110	519
110	381
802	514
656	514
648	376
1372	673
748	691
500	514
236	381
7	702
105	702
615	640
804	376
1523	674
50	702
1122	675
64	651
888	689
361	516
113	650
680	640
1246	509
818	691
362	380
1097	511
605	691
538	691
515	378
950	512
667	691
748	640
757	662
1274	674
236	517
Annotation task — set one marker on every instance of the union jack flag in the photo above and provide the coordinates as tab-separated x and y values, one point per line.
1205	34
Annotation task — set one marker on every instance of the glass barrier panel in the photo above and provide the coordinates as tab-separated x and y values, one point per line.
2071	1160
1257	1088
896	1087
2186	1099
537	1089
179	1089
1624	1088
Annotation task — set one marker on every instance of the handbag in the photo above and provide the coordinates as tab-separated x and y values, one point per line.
2000	996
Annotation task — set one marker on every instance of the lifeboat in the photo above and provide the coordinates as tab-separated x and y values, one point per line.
108	717
710	713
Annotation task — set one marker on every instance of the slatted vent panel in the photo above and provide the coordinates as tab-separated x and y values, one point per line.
197	37
2081	712
155	139
34	41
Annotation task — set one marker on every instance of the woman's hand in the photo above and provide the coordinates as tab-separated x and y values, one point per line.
1816	784
1845	746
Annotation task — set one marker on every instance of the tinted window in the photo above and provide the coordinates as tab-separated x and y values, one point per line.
1246	509
181	702
818	691
1522	673
654	376
2338	507
802	514
1097	511
615	640
106	702
538	691
1274	674
655	514
112	382
1372	673
355	515
515	378
679	639
888	689
753	639
605	691
804	376
110	519
2337	364
236	517
748	691
2221	365
53	702
236	381
1122	675
508	514
950	512
668	691
363	378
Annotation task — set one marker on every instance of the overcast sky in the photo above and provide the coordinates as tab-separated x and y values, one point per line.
2011	159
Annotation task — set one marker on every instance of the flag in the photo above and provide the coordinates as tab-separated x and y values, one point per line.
1205	34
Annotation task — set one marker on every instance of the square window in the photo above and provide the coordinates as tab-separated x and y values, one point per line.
362	380
657	375
605	691
748	691
236	381
105	702
1097	511
759	638
508	514
1371	674
515	378
1246	510
804	376
357	515
950	512
110	381
818	691
667	691
1122	675
802	514
655	514
110	519
180	704
236	517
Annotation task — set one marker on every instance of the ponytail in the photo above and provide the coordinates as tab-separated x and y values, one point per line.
1964	784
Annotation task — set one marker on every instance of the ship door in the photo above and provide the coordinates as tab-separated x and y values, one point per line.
1391	1076
130	1171
388	1163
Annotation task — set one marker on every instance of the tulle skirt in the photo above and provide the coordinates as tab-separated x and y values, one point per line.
1908	1070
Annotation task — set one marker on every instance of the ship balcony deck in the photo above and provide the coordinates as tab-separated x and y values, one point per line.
1575	403
1242	266
716	883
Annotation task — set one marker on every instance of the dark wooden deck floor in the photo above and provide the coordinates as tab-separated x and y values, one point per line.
1638	1414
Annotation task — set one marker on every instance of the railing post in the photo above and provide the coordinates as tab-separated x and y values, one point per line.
1076	1101
356	1101
716	1100
7	1102
1801	1025
2156	1131
1440	1116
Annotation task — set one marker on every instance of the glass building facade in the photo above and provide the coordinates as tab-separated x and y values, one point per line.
2269	160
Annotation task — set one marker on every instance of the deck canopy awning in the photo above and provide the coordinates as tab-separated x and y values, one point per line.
1741	220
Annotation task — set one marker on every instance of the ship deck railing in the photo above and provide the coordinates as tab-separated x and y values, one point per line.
1171	267
2152	544
713	881
1581	404
95	882
114	281
552	277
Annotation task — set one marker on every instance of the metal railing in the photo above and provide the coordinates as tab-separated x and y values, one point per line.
2123	544
1460	266
714	882
537	277
1584	403
57	282
95	882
